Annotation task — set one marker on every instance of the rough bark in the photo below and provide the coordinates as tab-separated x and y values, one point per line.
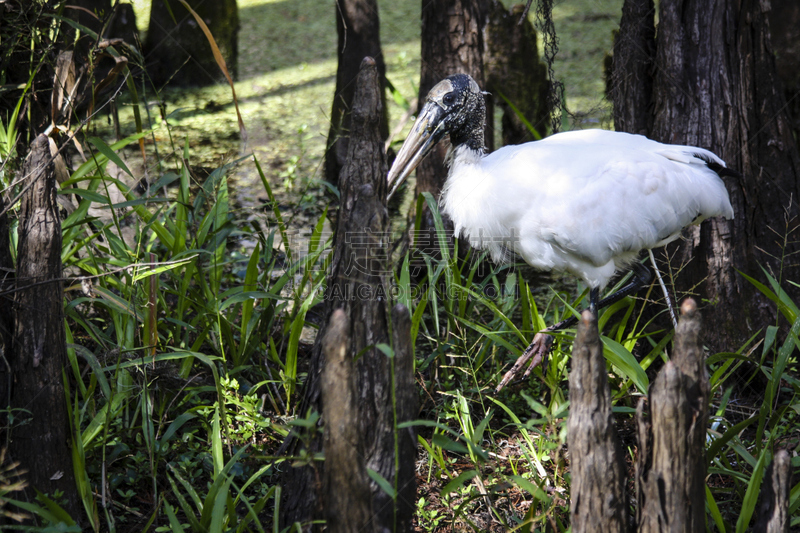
407	408
773	512
671	465
784	21
6	311
181	54
357	285
348	507
631	79
715	86
598	499
358	28
513	70
41	445
452	43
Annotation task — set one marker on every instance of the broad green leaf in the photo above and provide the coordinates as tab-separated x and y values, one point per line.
625	362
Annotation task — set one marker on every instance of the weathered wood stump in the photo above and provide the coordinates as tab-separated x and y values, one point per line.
671	467
41	445
773	511
348	503
358	286
599	502
671	462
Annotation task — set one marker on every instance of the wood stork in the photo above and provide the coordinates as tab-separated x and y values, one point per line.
586	202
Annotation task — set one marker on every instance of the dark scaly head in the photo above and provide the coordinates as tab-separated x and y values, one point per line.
454	106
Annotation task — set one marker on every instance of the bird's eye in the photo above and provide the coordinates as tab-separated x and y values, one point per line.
449	99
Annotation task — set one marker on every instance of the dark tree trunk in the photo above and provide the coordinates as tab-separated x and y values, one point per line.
357	284
25	44
182	54
714	85
514	71
598	500
631	78
41	445
784	21
358	27
6	311
123	25
452	43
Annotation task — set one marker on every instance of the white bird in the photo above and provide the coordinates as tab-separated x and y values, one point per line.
586	202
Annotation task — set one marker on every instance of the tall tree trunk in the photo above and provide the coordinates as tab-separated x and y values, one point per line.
41	442
6	311
515	75
181	54
714	85
784	21
632	82
358	27
452	43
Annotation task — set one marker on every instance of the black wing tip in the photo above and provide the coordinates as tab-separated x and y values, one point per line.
716	167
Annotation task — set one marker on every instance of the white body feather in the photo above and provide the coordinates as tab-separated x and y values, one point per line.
585	202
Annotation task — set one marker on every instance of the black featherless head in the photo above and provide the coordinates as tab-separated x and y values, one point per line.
464	109
454	106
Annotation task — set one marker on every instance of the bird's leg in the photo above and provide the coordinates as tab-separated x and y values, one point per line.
594	296
642	276
542	342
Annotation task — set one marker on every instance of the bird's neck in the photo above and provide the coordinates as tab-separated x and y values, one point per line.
463	155
468	129
472	140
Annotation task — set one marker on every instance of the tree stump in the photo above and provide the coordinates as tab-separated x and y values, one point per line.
406	409
41	445
598	499
358	285
348	507
671	465
773	512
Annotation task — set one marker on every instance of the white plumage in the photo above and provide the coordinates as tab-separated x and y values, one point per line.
585	202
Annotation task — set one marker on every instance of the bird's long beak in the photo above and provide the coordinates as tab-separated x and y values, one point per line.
426	132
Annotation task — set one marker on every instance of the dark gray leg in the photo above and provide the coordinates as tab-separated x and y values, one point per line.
542	342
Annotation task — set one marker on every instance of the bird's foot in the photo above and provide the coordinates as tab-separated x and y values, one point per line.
536	352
